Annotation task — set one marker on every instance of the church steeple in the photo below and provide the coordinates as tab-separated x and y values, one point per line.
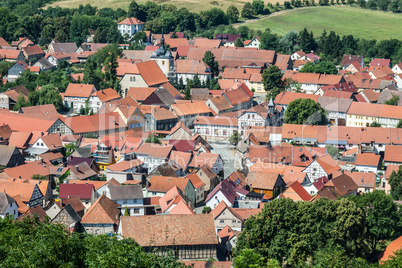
271	105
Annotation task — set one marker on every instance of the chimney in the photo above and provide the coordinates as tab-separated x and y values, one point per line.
76	167
342	172
41	133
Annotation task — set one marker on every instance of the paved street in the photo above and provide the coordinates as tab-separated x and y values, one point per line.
227	152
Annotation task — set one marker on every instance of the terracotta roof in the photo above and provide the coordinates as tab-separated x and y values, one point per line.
175	42
182	159
173	196
38	211
345	87
95	123
380	62
103	211
18	187
362	179
125	165
262	180
390	251
237	96
106	94
79	90
286	97
328	163
390	169
154	150
204	158
75	202
131	21
270	154
237	178
195	180
190	108
348	59
282	61
164	184
181	208
149	230
368	159
221	103
343	184
192	67
96	184
215	121
83	191
9	53
182	51
26	171
393	153
313	78
22	207
296	192
5	132
140	93
33	50
151	73
4	43
207	43
180	125
370	95
40	110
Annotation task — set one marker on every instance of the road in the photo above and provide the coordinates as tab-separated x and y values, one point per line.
227	152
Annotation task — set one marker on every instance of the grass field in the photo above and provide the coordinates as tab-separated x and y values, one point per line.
192	5
343	20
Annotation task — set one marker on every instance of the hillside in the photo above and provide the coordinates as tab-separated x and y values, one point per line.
343	20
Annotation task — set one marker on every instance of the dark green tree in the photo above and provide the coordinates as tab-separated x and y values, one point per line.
258	6
393	100
305	112
152	139
247	11
269	41
383	216
209	59
395	181
235	138
272	79
239	43
233	14
375	124
399	125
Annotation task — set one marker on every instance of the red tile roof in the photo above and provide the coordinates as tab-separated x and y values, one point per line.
83	191
368	159
103	211
105	95
151	73
79	90
296	192
131	21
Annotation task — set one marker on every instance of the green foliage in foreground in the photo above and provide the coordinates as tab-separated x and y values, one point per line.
31	243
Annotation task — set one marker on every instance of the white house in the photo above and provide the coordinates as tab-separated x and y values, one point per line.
76	95
297	55
215	127
222	192
102	96
128	196
368	162
397	69
153	155
130	26
323	166
187	69
8	206
253	43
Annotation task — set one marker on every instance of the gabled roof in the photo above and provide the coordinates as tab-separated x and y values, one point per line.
125	165
390	251
17	187
348	59
180	125
27	170
278	154
64	47
216	121
380	63
368	159
124	192
154	150
328	163
130	21
75	202
173	196
262	180
9	54
164	184
103	211
344	184
204	158
83	191
33	50
40	110
5	132
226	190
140	93
79	90
237	96
106	94
5	202
195	180
221	103
6	153
180	160
95	123
393	153
151	73
4	43
286	97
296	192
165	230
313	78
190	108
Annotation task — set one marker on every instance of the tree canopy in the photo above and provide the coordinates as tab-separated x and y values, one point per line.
395	181
272	80
305	111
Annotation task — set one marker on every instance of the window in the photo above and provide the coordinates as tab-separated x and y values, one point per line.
224	132
222	221
41	144
136	211
124	201
234	221
163	62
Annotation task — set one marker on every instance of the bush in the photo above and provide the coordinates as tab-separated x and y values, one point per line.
206	210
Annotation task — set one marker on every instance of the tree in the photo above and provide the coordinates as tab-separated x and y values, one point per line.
233	14
234	139
239	43
269	41
209	59
38	177
249	258
21	102
383	216
323	67
394	260
305	111
152	139
336	257
395	181
247	11
393	100
289	42
375	124
206	210
297	230
110	66
258	6
399	124
126	211
332	151
272	79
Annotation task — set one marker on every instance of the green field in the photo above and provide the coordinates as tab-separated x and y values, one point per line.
343	20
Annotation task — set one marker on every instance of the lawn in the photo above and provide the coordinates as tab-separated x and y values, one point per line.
343	20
